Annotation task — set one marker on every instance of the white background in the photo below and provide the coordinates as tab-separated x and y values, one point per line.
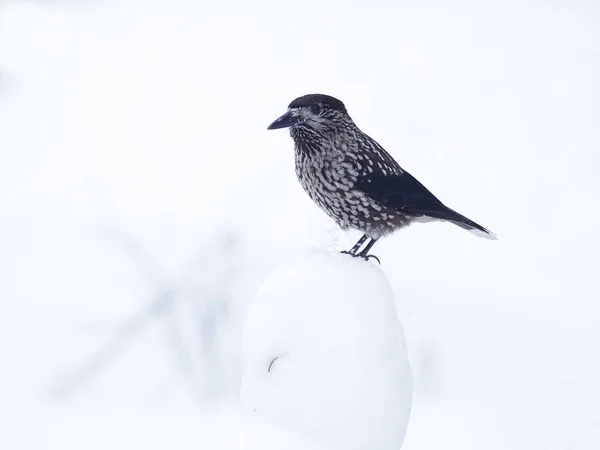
142	202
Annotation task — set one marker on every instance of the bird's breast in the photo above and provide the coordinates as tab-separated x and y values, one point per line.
324	173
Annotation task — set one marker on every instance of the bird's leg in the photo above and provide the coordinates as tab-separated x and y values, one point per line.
365	251
356	247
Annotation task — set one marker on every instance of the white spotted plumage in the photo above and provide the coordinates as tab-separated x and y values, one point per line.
328	167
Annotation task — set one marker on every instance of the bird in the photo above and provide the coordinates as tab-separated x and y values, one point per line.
353	179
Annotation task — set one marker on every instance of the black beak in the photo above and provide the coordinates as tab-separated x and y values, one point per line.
285	121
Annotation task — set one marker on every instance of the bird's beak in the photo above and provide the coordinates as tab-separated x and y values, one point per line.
285	121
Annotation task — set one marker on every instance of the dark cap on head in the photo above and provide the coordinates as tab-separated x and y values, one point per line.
307	100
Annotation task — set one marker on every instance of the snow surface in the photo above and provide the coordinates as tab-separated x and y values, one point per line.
261	435
325	356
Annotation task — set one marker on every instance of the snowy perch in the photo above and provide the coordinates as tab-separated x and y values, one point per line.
325	357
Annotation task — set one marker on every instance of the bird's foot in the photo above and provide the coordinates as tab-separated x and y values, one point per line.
361	255
367	257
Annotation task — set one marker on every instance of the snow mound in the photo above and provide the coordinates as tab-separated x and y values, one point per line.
256	435
325	356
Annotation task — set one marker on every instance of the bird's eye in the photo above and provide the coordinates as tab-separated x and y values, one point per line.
316	109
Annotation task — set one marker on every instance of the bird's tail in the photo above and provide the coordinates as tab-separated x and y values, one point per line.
473	227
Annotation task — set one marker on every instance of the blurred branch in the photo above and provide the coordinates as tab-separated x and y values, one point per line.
92	366
160	307
134	251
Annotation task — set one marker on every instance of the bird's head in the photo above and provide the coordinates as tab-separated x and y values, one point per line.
316	111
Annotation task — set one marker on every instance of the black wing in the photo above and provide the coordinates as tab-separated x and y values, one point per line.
392	187
405	193
382	179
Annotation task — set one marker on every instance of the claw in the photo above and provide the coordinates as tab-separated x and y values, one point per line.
367	257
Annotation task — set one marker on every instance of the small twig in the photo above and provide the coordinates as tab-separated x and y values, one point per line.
273	362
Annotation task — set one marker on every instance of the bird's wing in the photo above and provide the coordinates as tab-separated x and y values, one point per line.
382	179
404	193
